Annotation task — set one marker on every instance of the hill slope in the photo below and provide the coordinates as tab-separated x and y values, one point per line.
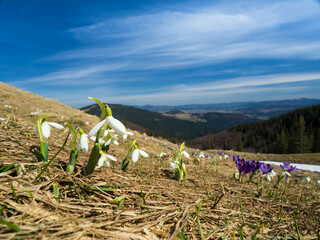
145	202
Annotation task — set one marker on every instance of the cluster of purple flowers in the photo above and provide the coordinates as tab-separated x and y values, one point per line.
288	167
245	167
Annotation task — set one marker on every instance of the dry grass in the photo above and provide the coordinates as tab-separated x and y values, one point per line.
155	205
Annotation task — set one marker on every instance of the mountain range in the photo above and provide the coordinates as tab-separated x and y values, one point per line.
169	126
191	121
260	110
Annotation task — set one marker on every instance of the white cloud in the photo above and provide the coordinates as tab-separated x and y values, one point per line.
235	89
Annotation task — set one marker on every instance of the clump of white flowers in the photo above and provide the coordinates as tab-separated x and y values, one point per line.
44	131
104	134
178	166
133	155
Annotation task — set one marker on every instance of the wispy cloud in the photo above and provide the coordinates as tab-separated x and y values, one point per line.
177	53
215	33
235	89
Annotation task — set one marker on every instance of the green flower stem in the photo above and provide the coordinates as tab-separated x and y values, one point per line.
133	144
39	123
102	107
93	159
47	165
74	132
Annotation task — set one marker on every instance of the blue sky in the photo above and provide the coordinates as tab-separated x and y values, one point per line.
161	52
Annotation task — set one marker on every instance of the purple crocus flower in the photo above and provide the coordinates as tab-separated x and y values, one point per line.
288	167
265	168
77	127
2	100
220	153
235	158
196	154
243	166
254	165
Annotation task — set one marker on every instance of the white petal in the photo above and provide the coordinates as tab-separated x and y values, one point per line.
125	136
83	143
115	142
143	153
135	155
116	125
130	133
111	157
56	125
108	142
185	154
2	119
106	163
173	165
93	138
96	128
162	154
45	130
101	160
268	178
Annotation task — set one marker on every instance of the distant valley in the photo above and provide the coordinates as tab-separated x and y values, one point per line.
224	125
174	125
259	110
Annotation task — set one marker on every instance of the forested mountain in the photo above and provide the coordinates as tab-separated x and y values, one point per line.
294	132
170	127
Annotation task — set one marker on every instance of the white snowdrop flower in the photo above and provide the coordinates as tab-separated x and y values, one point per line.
308	179
184	153
106	132
104	160
318	181
9	106
86	123
46	127
110	122
126	135
236	175
93	138
174	165
6	106
113	139
272	173
136	153
269	175
162	154
285	173
268	178
83	142
2	119
201	155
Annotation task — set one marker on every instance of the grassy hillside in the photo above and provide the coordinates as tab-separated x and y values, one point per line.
145	202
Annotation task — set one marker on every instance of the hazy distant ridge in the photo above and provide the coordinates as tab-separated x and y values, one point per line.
260	110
